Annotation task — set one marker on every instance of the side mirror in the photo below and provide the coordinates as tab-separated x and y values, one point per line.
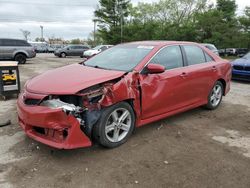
155	68
67	48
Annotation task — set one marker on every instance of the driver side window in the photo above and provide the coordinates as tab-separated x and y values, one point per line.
103	48
169	57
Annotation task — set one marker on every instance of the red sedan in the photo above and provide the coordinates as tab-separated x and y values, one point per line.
103	99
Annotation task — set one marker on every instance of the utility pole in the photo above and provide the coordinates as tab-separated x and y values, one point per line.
41	32
95	31
121	12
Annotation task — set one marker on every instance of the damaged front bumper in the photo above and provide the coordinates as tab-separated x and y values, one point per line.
52	127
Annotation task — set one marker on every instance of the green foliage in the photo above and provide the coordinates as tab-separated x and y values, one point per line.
228	8
38	39
245	26
189	20
98	40
111	15
75	41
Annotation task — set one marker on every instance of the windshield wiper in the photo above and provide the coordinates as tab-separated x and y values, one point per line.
97	67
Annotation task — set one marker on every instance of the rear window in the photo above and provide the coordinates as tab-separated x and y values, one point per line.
194	55
22	43
85	47
208	57
9	42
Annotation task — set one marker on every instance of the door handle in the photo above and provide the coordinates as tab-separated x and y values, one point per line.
214	68
183	75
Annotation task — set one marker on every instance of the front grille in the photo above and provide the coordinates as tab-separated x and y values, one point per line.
238	67
240	77
31	101
247	68
39	130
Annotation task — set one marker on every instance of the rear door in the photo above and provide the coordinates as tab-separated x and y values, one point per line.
1	49
8	48
165	92
201	72
70	50
79	50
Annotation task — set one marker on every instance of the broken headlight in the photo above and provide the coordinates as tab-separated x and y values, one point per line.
58	104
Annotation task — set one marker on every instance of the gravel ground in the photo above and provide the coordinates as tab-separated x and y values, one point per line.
198	148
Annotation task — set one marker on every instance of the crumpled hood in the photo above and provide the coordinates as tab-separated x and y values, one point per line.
241	61
70	79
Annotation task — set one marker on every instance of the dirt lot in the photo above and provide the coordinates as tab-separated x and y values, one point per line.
198	148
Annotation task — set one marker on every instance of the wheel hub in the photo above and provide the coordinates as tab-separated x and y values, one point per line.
118	125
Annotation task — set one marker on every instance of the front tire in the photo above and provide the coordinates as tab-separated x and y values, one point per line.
115	125
63	55
215	96
20	58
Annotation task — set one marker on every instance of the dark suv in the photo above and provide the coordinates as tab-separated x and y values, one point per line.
15	49
71	50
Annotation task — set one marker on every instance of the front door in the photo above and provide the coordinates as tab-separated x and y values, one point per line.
165	92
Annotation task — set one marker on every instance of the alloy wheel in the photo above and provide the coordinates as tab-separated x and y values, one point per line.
118	125
63	55
216	95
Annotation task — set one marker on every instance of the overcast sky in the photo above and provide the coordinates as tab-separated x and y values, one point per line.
61	18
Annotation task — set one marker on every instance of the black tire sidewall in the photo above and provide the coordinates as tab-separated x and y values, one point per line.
62	55
18	57
99	128
209	104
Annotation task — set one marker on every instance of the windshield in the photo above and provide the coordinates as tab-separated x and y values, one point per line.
97	47
211	47
247	56
121	57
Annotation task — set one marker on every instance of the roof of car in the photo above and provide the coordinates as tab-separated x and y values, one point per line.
12	39
159	42
77	45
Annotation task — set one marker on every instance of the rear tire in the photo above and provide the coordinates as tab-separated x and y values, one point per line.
215	96
115	125
63	55
20	58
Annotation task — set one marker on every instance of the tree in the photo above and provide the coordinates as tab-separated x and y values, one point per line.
75	41
25	33
98	40
111	15
189	20
245	20
228	8
245	26
165	20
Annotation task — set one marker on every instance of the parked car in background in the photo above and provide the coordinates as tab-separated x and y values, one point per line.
40	47
94	51
126	86
241	68
231	51
71	50
222	52
241	51
51	49
211	47
15	49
